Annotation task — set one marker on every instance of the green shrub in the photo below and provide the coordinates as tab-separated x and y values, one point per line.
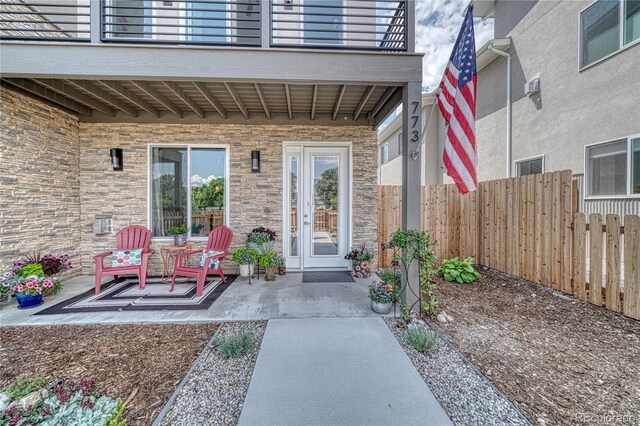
459	270
235	345
177	230
245	256
24	386
421	339
31	269
270	260
390	276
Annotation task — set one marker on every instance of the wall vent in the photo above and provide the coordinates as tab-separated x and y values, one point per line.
532	87
102	225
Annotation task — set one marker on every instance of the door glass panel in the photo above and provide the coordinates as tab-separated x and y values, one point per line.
635	166
293	202
207	22
325	205
323	24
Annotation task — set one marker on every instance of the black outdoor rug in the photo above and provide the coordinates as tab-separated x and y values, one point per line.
126	296
327	277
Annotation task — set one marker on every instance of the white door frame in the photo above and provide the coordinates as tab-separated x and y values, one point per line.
297	147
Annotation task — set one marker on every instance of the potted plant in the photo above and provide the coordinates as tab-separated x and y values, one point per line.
6	282
29	290
270	262
245	258
179	234
260	239
360	258
382	296
282	269
45	266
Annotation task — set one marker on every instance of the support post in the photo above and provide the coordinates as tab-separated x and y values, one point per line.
410	22
265	24
411	177
95	21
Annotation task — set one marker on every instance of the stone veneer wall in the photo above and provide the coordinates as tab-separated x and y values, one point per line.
39	179
123	194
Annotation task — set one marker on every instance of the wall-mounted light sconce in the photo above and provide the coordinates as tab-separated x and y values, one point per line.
116	158
255	161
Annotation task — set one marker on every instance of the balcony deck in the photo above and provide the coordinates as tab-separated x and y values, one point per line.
108	61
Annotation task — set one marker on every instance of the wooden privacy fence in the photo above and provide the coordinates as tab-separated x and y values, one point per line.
527	227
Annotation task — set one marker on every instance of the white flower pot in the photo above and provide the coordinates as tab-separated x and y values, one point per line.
381	308
246	270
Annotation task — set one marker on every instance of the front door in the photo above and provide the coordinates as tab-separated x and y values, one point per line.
317	198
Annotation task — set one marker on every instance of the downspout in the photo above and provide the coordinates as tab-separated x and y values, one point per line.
508	56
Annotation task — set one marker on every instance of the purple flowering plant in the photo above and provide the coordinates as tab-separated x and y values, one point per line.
382	292
361	253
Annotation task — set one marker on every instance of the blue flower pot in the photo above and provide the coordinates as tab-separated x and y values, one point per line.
27	301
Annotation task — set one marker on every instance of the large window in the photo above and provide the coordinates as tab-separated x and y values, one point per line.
188	189
129	18
323	24
530	166
600	28
207	22
384	153
613	168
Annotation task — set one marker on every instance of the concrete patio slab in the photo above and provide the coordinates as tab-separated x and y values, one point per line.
336	371
287	297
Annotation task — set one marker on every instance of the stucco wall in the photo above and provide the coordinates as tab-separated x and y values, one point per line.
123	194
39	179
431	150
574	108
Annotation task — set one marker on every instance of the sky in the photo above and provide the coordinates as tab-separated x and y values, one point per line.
437	25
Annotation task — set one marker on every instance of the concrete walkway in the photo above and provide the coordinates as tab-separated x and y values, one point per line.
336	371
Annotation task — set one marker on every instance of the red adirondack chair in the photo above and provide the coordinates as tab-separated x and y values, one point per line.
219	240
130	238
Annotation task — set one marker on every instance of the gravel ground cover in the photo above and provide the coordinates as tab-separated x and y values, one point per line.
466	396
559	360
149	360
216	388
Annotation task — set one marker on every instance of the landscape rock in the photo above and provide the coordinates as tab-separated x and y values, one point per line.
4	401
32	399
441	318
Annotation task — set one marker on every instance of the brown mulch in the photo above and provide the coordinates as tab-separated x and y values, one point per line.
555	358
121	358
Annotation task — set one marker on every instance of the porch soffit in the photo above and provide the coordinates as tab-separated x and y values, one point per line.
214	102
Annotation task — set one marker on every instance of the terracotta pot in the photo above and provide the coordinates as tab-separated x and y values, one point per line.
270	273
361	269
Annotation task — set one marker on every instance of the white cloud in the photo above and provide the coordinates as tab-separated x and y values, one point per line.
197	180
438	24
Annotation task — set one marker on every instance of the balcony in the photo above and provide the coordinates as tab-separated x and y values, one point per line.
368	25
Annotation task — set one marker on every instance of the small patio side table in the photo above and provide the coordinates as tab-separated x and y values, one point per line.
168	254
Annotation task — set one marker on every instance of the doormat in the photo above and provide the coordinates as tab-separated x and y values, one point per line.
327	277
125	295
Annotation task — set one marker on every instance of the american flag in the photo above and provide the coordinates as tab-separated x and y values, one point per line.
457	102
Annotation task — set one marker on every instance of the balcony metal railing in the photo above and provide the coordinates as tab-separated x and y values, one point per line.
208	22
352	24
335	24
45	20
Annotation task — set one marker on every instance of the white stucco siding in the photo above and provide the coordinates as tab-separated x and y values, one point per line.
574	108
